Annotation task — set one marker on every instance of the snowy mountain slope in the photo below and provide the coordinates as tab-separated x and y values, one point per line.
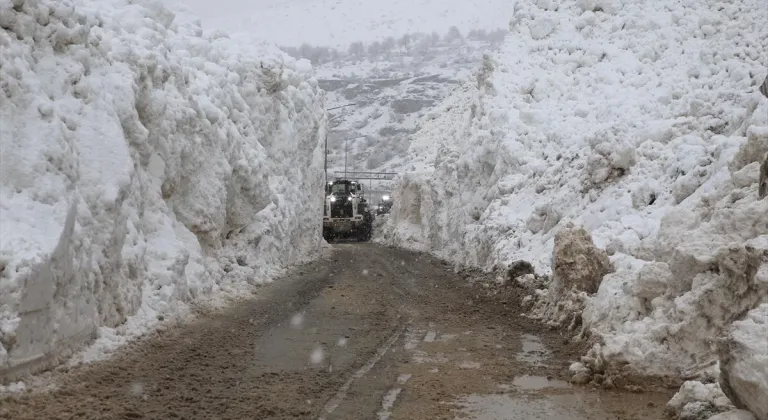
641	122
339	23
395	59
143	166
391	93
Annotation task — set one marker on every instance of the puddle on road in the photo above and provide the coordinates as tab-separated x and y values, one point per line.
531	397
533	351
470	375
576	406
528	382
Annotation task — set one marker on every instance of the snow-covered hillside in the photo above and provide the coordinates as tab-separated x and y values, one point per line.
392	91
144	166
641	122
339	23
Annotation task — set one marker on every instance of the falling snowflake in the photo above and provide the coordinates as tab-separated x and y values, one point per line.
342	342
137	389
317	356
365	272
297	320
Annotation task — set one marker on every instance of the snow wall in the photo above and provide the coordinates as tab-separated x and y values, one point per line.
144	166
639	121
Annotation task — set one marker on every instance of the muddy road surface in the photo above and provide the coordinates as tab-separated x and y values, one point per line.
367	332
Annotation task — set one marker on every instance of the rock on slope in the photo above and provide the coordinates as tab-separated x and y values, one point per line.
143	165
641	122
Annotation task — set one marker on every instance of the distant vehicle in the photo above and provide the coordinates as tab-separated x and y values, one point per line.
346	213
385	205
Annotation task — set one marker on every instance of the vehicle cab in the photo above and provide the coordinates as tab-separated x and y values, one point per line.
343	200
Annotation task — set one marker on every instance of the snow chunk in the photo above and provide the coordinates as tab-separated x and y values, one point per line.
698	401
671	332
580	374
744	362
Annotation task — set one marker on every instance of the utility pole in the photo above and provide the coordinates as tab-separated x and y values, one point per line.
345	152
346	141
326	141
325	152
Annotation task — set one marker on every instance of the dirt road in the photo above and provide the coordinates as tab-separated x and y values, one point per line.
368	332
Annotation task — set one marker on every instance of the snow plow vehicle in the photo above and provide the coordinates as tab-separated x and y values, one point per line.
346	212
385	205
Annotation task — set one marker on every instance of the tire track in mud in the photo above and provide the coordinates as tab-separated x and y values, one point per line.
342	393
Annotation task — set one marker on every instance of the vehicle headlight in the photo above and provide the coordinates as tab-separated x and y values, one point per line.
333	199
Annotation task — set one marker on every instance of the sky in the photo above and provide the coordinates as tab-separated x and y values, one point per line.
337	23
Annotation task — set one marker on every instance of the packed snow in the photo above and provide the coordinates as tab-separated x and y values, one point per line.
696	400
640	122
144	167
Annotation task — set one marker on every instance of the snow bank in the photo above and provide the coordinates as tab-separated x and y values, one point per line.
143	166
642	123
